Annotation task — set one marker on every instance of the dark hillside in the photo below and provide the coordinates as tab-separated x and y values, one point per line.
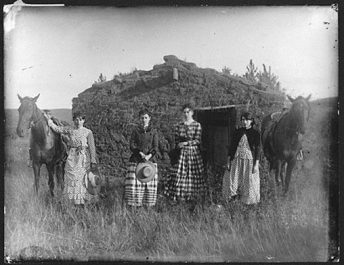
113	106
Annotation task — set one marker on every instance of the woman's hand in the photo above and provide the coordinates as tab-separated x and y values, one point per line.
229	163
142	155
46	116
147	157
255	167
182	144
94	167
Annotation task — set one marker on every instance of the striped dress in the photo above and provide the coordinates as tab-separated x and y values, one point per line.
80	155
186	180
240	180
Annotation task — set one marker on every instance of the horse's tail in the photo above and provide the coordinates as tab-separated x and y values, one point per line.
267	128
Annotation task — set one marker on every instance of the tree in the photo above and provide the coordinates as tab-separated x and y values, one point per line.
101	78
268	79
251	72
226	70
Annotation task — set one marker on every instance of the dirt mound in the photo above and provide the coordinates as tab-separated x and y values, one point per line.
112	106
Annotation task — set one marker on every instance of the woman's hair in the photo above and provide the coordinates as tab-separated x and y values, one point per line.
188	106
144	112
78	114
248	116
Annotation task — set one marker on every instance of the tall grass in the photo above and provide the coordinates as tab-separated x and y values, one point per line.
294	228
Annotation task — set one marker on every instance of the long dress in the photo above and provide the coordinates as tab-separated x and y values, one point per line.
80	155
137	193
240	180
186	180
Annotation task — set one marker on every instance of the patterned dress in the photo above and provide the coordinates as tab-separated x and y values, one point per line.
240	180
186	180
80	155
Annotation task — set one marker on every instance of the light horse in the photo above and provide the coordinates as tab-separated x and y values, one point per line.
46	146
281	140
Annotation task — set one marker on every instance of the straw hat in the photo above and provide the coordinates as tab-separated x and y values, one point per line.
145	172
92	182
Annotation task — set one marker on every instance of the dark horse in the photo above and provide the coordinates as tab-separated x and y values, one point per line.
46	146
281	140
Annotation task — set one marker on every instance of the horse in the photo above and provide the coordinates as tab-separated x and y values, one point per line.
281	139
46	146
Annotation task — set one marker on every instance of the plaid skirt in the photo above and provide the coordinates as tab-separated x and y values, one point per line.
186	179
137	193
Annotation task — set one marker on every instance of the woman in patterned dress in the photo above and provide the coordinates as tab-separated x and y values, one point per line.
143	145
243	164
187	181
81	158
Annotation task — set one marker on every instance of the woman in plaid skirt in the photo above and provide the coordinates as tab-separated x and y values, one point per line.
143	145
81	158
243	164
186	182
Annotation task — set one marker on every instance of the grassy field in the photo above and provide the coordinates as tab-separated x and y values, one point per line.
294	228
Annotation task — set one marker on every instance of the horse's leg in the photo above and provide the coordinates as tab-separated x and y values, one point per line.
278	171
290	167
272	183
283	172
51	171
63	173
60	175
36	171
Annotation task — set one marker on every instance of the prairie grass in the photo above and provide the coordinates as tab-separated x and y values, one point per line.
294	228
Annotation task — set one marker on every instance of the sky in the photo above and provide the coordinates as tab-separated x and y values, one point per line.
60	51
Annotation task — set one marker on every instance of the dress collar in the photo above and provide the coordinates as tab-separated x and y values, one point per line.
146	129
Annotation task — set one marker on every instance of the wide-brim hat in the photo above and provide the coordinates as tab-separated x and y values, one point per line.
145	171
92	182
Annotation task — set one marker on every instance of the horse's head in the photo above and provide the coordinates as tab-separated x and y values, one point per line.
26	113
300	110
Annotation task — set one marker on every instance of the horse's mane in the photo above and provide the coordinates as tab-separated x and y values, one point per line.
39	126
59	122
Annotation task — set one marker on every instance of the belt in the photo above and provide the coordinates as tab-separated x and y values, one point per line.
78	149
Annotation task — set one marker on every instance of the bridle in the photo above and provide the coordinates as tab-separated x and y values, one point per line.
36	117
297	128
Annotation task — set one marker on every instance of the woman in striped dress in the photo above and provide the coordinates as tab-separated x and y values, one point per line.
81	158
143	145
187	182
243	164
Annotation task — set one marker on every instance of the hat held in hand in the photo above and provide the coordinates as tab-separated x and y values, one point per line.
145	172
92	182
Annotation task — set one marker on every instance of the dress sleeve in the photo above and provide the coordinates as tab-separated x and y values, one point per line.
258	149
233	146
92	147
197	136
155	144
58	129
134	142
176	135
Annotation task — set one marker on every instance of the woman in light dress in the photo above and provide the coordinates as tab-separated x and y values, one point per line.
81	158
243	180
